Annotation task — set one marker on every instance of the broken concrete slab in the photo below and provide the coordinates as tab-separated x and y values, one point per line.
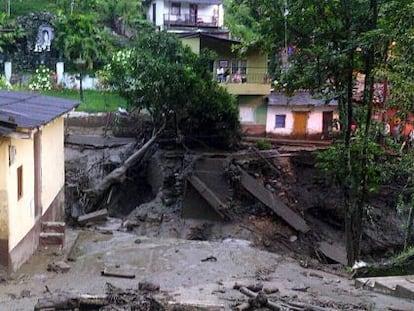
96	216
334	251
398	286
270	200
208	195
94	141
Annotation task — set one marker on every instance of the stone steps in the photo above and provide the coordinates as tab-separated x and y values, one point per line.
53	233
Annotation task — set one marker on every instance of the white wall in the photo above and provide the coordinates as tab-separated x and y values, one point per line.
272	111
314	124
205	11
53	161
69	80
21	215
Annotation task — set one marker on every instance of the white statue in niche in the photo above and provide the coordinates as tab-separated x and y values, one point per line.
45	36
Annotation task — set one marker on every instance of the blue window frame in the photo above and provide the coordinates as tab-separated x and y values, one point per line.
280	121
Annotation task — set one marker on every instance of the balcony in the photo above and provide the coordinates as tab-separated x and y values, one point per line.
247	84
190	20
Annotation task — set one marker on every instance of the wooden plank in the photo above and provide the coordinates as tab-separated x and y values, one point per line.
271	201
98	215
207	194
117	273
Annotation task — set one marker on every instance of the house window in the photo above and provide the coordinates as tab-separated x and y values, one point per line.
280	121
19	182
238	65
176	8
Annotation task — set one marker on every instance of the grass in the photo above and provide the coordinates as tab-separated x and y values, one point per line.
95	101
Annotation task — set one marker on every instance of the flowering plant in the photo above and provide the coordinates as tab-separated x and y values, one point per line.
42	79
4	84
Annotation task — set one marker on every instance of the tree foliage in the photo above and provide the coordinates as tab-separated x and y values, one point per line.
10	33
78	37
162	77
329	42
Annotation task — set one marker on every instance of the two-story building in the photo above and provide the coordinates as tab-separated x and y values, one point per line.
187	16
244	75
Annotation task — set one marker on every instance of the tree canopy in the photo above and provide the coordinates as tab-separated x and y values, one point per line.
162	77
321	46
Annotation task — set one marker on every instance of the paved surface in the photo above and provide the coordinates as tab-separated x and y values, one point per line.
178	266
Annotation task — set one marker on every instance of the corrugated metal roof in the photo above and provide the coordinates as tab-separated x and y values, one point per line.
30	110
302	98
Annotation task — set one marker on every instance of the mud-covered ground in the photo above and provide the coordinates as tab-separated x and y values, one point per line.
185	272
148	236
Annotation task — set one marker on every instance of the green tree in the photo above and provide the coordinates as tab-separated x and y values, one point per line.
83	43
332	41
10	33
175	86
121	14
397	73
79	37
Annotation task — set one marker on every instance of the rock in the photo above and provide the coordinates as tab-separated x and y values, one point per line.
25	293
255	287
130	224
270	289
154	218
293	238
148	286
58	266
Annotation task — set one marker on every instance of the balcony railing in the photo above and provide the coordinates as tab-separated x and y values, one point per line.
190	20
257	78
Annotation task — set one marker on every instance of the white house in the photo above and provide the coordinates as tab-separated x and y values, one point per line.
184	15
300	116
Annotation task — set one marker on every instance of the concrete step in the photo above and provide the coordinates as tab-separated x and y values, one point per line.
398	286
51	238
53	226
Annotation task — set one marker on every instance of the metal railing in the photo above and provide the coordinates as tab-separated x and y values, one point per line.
258	78
190	20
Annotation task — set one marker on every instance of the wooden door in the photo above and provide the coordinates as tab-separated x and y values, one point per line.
327	119
300	122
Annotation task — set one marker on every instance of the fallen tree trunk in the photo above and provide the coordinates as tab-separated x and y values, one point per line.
118	175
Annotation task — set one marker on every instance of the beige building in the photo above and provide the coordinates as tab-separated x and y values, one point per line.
245	75
31	171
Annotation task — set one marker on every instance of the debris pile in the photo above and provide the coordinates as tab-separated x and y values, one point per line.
114	299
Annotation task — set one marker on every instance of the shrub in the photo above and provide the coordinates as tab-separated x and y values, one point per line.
4	84
263	144
42	79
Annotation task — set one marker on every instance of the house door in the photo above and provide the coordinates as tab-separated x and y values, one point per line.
193	13
327	123
300	121
37	174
